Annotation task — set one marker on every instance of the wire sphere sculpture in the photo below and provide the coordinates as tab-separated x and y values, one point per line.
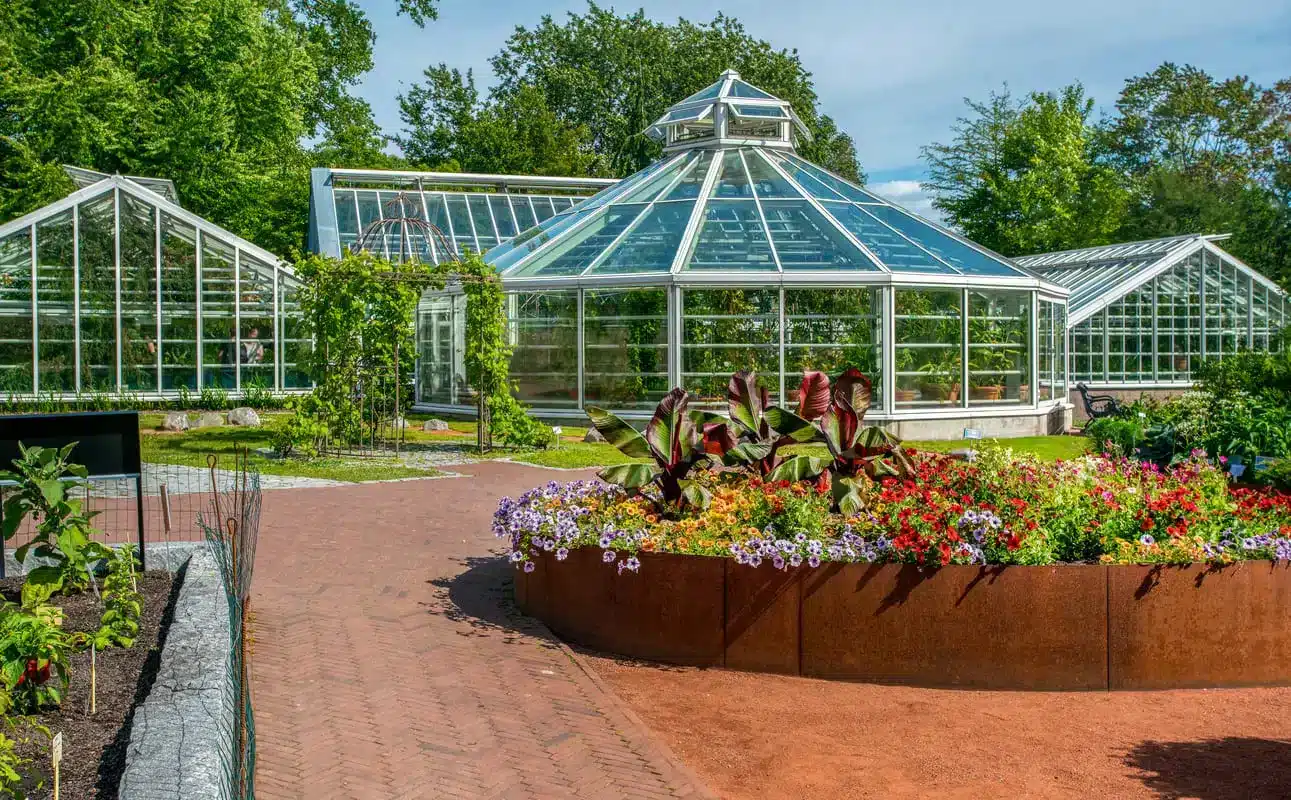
403	234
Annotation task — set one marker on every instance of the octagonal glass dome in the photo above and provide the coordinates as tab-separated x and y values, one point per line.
733	252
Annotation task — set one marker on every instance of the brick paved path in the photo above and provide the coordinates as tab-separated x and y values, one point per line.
389	663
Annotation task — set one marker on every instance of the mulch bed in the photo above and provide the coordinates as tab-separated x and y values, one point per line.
94	747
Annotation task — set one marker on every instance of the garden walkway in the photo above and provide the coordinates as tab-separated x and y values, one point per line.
389	663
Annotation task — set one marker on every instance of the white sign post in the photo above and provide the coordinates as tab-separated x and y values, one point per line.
56	755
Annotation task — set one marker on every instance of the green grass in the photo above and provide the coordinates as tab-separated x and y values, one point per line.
574	455
191	448
1045	448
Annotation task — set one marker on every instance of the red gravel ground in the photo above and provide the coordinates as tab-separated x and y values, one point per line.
765	736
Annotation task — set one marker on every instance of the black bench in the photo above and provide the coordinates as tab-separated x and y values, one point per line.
1098	406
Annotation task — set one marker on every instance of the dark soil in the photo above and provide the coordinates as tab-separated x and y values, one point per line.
94	747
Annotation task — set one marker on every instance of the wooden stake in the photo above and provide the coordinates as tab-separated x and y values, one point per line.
57	757
94	678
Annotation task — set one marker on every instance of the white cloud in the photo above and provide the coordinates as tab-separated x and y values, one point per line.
910	195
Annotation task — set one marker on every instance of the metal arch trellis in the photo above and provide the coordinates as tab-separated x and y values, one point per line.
399	216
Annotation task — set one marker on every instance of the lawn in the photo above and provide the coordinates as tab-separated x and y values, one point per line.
192	447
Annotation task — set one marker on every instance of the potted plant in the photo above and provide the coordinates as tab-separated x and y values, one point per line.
938	380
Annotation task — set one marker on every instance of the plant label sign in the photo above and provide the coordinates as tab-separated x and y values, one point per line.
972	433
56	755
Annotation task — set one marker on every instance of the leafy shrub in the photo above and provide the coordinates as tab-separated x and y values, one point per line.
20	778
301	434
213	398
260	397
34	651
63	530
122	602
1116	435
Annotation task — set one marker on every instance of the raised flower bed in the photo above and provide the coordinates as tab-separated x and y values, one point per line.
1003	573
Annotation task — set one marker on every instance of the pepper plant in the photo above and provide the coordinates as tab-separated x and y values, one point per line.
34	653
122	602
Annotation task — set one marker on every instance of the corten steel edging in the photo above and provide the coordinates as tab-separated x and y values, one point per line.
1069	627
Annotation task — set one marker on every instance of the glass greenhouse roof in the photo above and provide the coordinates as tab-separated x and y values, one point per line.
1098	276
741	209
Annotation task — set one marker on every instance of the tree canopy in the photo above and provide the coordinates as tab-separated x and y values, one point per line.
1181	153
575	97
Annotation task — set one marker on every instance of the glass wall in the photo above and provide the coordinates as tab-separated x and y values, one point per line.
999	352
543	329
830	330
928	347
625	347
1205	307
117	306
725	331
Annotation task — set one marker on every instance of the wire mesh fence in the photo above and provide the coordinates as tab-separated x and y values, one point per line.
231	525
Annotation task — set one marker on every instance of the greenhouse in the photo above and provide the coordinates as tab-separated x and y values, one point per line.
117	289
731	252
1142	315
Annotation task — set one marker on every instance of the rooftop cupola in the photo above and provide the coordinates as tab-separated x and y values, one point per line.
729	112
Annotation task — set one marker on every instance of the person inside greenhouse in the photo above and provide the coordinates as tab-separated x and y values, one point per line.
252	349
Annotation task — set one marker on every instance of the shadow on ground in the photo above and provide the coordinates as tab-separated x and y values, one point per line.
1215	769
480	600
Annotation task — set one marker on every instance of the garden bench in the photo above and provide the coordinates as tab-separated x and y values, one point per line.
1098	406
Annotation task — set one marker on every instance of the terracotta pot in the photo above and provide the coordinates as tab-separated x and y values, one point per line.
986	392
1024	393
936	391
907	395
1180	363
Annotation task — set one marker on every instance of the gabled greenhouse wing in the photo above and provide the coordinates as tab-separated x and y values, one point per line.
117	289
1144	314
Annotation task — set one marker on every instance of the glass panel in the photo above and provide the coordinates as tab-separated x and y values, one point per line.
1242	310
1062	366
347	217
999	356
687	114
439	349
707	93
98	320
1046	346
796	167
1261	329
543	208
927	348
178	304
1214	311
55	289
544	335
732	181
688	187
727	330
732	237
369	215
502	220
648	190
767	181
625	347
562	203
296	343
741	89
939	244
892	249
805	239
218	346
652	243
576	251
256	349
1088	351
1129	338
524	212
508	255
463	236
138	295
831	330
774	112
15	313
484	233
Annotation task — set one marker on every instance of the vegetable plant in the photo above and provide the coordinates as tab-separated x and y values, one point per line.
672	441
34	651
122	602
62	529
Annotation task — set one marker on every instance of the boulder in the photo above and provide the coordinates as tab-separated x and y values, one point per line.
593	435
209	419
175	421
434	425
243	415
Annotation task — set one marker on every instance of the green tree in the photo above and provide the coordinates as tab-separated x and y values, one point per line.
1207	156
576	98
1026	177
219	95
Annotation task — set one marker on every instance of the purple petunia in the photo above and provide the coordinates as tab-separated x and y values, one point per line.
1146	540
562	554
529	566
609	556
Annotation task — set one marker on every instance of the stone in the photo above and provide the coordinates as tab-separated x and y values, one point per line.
434	425
244	416
593	435
175	421
209	419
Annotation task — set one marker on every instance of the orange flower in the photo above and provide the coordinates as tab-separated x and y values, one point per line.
647	545
651	518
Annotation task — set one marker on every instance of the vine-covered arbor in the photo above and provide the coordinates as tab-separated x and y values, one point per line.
732	252
117	289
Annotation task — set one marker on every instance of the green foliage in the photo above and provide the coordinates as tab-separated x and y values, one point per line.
20	777
62	529
122	602
1025	177
1116	435
757	430
34	653
213	398
575	97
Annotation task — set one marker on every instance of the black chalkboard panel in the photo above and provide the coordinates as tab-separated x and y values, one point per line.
107	441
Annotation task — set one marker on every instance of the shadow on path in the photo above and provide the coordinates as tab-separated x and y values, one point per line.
1215	769
480	600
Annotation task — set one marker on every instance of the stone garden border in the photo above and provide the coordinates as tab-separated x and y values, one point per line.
1062	627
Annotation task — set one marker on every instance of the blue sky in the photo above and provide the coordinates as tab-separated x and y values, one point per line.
894	74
